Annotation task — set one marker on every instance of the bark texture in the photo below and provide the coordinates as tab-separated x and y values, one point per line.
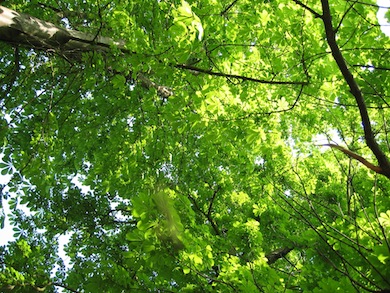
24	30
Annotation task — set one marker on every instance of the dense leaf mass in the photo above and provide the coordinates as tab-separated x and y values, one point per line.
192	146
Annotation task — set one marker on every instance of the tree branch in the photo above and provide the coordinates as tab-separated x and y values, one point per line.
240	77
163	91
22	29
344	15
65	287
362	160
317	15
354	89
206	215
212	201
228	8
273	256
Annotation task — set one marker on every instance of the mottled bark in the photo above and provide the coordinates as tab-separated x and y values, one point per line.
24	30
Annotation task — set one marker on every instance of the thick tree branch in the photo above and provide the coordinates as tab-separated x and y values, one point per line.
354	89
24	30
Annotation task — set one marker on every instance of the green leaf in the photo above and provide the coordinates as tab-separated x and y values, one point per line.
118	81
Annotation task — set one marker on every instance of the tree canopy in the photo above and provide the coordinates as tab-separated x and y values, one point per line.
192	146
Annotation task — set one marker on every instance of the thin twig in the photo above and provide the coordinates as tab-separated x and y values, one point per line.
344	15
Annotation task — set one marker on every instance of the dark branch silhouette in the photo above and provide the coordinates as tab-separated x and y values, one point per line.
273	256
354	89
228	8
240	77
300	3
